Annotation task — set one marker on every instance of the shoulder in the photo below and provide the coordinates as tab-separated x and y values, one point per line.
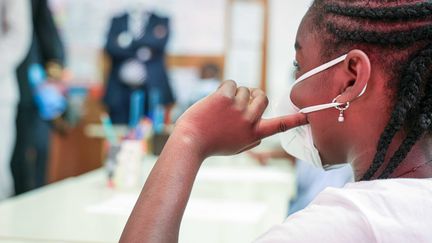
329	218
370	211
390	189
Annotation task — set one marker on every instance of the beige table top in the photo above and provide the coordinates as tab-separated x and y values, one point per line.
233	200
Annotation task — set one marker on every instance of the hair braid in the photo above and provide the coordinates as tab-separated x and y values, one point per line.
407	144
409	12
407	98
387	38
422	124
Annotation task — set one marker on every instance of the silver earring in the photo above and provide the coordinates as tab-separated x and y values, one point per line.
341	109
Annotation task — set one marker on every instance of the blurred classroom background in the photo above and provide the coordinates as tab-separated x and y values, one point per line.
250	42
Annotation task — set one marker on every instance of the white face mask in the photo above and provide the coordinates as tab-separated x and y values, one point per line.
299	141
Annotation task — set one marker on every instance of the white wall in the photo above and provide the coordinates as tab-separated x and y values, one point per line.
285	17
244	53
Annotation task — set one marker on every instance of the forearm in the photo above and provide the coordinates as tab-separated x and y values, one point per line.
159	209
224	123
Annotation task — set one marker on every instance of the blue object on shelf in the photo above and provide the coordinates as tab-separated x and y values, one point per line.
136	108
158	119
157	111
109	130
155	101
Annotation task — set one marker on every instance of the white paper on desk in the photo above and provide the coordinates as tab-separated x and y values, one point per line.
118	205
225	210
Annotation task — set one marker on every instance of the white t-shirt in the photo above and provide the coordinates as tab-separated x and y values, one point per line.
394	210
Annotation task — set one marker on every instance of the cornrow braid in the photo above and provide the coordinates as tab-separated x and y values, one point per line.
376	29
389	38
407	98
422	124
409	12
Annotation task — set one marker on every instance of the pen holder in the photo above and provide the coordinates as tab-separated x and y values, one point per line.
128	172
158	142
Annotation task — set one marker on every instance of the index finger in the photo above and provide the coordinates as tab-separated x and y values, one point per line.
272	126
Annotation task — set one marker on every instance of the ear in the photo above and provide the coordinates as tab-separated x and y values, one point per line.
357	69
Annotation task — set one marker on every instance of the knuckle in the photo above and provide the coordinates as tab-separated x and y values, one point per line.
243	89
265	100
283	127
300	120
224	99
258	92
230	82
251	118
240	108
229	101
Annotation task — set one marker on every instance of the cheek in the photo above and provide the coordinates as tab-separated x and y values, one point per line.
302	96
328	136
310	92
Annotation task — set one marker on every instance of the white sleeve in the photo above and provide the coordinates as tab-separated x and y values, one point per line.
328	219
15	42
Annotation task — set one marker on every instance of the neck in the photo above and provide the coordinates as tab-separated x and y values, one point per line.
417	163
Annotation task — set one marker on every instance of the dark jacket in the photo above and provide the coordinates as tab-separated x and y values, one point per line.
117	97
46	46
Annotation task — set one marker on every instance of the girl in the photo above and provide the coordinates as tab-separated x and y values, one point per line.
363	95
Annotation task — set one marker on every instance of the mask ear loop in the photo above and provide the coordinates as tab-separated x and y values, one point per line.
341	109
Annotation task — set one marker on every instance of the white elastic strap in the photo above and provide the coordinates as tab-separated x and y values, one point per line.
318	70
326	106
318	107
321	68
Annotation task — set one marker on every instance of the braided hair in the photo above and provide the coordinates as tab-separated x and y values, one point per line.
396	35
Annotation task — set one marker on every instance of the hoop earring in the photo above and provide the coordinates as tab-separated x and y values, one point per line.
341	109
